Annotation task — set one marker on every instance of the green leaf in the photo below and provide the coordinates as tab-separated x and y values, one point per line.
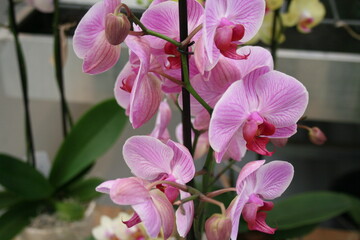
69	211
20	178
307	209
8	199
16	219
84	191
294	232
355	210
90	138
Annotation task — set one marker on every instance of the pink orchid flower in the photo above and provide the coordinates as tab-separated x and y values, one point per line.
137	89
152	160
255	183
163	118
256	108
151	206
166	13
228	23
90	42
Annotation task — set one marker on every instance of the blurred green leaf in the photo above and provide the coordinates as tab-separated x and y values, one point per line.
8	199
20	178
13	221
69	211
84	191
294	232
354	212
307	209
90	138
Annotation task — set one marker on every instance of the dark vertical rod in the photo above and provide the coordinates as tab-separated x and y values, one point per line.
58	67
24	85
186	120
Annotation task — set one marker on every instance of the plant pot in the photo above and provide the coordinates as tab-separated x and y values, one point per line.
71	231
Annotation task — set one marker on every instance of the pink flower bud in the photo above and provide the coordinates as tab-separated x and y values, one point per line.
317	136
116	28
218	227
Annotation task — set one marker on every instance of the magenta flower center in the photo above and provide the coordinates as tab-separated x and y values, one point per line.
174	58
254	131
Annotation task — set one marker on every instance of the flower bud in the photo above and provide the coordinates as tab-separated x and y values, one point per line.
218	227
116	28
317	136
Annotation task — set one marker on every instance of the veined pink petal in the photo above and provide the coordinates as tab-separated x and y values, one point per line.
249	13
90	26
234	211
237	147
144	100
128	191
228	116
182	164
284	132
110	5
282	98
167	14
123	86
184	219
258	57
273	179
162	121
101	56
147	157
247	170
166	212
150	216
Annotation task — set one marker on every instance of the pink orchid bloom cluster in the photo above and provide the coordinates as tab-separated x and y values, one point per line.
239	103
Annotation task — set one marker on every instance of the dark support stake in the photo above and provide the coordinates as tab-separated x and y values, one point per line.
186	120
24	86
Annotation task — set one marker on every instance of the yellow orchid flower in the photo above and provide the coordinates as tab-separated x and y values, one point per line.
274	4
306	14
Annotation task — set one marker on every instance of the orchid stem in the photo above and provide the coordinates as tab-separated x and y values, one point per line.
198	98
219	192
232	162
24	86
191	35
213	201
274	38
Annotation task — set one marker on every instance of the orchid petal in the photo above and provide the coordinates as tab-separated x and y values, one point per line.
123	97
257	57
182	165
145	100
282	98
284	132
234	211
147	157
150	216
101	56
246	171
165	210
105	186
273	179
162	121
228	116
249	13
129	191
184	219
90	26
